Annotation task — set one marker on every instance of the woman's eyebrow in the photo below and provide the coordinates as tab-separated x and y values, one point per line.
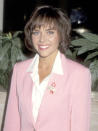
53	28
50	29
36	29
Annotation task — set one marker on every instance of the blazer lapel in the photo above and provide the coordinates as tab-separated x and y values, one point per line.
44	99
27	96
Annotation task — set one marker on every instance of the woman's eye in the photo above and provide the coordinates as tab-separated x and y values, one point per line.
35	32
50	32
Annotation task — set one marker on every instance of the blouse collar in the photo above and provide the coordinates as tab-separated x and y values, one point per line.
57	67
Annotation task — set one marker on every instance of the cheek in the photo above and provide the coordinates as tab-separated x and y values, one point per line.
34	40
55	41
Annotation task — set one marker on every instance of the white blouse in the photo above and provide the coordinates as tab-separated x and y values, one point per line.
39	88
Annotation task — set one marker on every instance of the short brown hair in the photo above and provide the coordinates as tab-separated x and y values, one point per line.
48	15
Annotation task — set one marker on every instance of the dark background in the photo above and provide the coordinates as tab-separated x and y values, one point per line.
17	12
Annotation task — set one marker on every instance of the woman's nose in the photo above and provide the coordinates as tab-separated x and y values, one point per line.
42	37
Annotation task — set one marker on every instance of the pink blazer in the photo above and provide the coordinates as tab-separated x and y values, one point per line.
67	109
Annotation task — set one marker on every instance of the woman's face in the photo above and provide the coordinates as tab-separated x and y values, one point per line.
45	40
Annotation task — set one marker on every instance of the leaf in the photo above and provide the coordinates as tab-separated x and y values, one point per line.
0	44
94	71
68	52
17	33
9	36
0	40
81	42
4	38
4	79
21	56
3	51
90	36
92	55
4	62
17	42
5	41
74	55
87	48
14	55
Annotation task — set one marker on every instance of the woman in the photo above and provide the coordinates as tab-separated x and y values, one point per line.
49	92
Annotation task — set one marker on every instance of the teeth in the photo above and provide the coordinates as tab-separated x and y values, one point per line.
43	47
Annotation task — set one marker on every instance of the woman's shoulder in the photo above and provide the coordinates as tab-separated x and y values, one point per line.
73	65
76	64
23	65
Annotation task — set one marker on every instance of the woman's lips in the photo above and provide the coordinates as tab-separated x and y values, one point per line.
43	47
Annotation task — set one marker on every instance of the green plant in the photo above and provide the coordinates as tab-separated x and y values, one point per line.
10	53
85	50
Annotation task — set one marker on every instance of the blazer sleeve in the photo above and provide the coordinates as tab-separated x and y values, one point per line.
12	118
81	102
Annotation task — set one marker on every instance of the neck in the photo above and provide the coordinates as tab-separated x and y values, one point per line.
45	62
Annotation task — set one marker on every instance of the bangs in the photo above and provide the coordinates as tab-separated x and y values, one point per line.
44	21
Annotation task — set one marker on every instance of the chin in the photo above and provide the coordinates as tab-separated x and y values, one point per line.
48	54
43	56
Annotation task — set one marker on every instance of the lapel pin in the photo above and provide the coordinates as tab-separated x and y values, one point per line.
52	87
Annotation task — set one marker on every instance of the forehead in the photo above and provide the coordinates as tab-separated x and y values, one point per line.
45	23
46	26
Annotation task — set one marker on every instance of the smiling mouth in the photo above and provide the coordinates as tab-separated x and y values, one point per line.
42	47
